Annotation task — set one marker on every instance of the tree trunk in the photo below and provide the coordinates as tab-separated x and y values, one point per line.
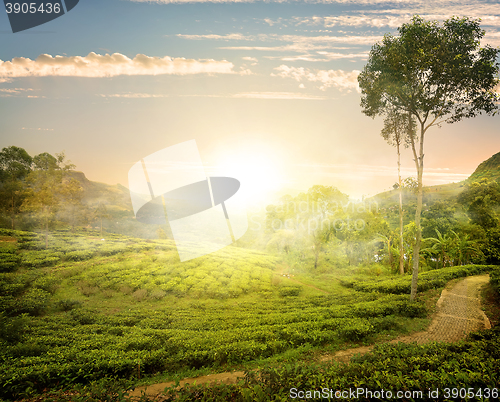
391	261
401	250
12	216
419	162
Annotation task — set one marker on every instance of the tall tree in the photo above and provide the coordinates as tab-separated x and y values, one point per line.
435	74
398	131
15	165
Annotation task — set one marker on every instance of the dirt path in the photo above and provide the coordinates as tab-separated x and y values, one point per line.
458	312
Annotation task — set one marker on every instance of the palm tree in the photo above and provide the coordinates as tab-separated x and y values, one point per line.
464	248
443	246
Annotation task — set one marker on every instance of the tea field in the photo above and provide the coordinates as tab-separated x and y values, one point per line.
122	308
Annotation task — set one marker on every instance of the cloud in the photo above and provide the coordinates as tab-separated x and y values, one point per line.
325	56
231	36
18	92
311	48
37	129
95	65
343	80
298	39
132	95
394	14
278	95
15	90
414	3
253	59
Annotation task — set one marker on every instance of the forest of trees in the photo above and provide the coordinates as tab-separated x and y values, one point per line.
40	192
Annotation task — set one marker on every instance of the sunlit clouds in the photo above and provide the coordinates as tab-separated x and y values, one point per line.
343	80
96	65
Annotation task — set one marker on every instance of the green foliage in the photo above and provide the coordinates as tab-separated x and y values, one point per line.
427	280
68	304
84	344
11	328
143	305
481	200
290	290
33	302
470	364
495	280
9	261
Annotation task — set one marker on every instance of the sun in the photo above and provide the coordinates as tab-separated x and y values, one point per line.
258	170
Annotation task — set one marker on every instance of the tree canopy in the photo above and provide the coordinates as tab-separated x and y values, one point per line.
434	73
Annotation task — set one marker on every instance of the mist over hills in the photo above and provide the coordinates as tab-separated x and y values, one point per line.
121	218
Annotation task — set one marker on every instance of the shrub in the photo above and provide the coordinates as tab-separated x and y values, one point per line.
158	294
495	279
68	304
9	261
84	316
126	290
289	290
49	284
33	302
12	328
426	280
79	255
140	294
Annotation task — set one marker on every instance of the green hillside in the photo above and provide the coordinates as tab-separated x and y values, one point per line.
489	169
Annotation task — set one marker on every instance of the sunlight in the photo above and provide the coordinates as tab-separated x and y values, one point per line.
257	167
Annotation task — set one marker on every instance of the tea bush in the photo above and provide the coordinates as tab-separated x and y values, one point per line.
426	280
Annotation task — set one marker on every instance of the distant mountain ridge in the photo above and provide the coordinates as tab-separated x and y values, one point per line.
115	197
489	169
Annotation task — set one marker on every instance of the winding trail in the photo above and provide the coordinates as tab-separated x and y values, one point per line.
458	312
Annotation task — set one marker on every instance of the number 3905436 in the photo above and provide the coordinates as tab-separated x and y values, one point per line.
33	8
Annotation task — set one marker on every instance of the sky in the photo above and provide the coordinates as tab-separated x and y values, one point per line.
267	89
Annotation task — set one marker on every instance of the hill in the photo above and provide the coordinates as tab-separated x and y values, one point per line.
489	169
115	197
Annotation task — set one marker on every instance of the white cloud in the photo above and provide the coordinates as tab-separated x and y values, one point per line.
18	92
133	95
277	95
414	3
252	59
343	80
95	65
325	56
392	17
37	129
232	36
15	90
